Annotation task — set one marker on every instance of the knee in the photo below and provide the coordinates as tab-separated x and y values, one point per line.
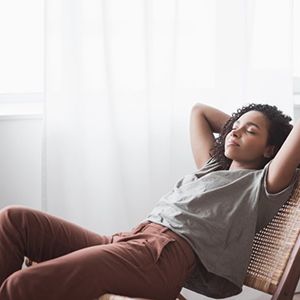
11	209
13	287
12	214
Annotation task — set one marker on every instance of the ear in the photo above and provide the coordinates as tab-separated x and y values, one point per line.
269	151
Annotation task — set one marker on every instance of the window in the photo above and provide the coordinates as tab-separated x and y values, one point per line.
296	50
21	56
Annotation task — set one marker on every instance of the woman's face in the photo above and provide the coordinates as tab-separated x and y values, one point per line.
246	144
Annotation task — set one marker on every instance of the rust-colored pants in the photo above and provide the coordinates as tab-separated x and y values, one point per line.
150	261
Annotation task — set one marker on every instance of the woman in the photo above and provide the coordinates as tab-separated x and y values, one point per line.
199	235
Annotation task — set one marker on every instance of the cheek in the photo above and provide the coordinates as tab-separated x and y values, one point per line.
256	146
227	137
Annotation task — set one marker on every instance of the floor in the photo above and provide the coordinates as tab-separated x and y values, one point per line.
297	296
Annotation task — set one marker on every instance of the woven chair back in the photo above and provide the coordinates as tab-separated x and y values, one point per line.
275	246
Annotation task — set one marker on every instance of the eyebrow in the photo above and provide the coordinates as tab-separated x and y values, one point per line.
248	123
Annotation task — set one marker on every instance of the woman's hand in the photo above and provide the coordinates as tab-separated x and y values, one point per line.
204	122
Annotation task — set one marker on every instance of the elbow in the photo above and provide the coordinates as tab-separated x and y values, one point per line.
197	108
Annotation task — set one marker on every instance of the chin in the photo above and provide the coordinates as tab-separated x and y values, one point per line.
229	155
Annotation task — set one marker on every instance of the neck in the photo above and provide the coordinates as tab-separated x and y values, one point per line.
236	165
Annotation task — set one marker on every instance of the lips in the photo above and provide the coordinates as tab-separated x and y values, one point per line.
232	143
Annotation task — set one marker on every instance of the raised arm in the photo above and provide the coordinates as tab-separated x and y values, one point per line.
282	167
204	121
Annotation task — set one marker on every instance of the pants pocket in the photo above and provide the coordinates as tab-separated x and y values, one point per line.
156	245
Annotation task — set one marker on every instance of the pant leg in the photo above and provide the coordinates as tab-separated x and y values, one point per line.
39	236
151	263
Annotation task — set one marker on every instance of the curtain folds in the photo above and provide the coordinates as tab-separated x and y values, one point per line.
121	79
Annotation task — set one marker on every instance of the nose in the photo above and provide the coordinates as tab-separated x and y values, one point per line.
235	132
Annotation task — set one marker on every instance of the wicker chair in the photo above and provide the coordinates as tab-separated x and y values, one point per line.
275	261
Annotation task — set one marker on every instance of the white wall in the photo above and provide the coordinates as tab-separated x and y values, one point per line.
20	161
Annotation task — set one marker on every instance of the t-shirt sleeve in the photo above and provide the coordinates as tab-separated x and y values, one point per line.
270	203
211	164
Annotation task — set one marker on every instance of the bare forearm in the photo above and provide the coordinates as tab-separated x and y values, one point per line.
205	120
282	167
214	117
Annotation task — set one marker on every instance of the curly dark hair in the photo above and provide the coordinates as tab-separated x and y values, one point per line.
279	130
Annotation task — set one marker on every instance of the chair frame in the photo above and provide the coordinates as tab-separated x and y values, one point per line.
290	277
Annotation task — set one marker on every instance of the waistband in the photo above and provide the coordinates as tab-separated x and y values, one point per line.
155	228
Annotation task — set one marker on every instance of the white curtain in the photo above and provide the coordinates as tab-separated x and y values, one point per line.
122	76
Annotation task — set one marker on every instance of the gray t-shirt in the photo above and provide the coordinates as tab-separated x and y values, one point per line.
218	212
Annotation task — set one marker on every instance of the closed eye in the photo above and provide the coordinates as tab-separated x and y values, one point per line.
251	132
248	131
